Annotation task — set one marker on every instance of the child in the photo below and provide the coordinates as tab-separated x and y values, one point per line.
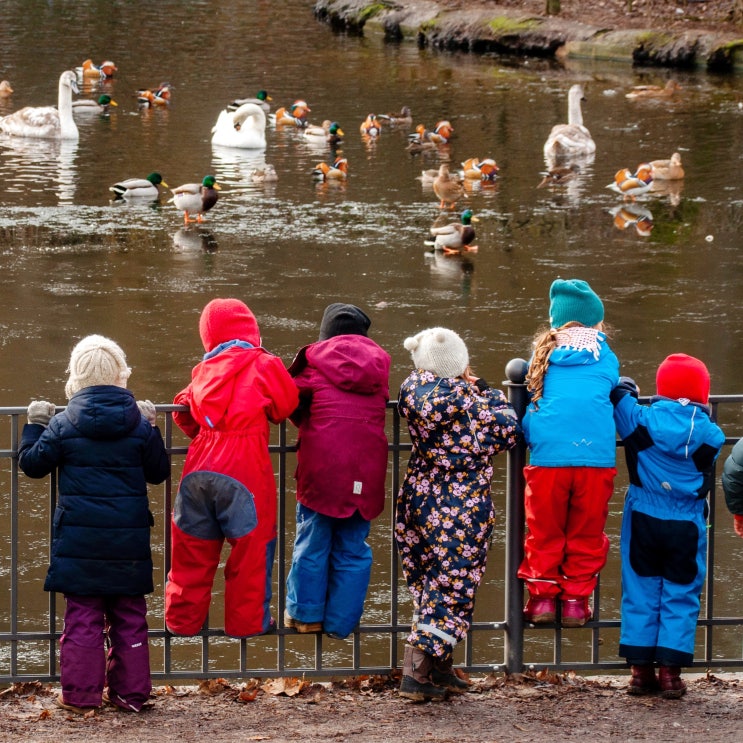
227	490
444	513
569	429
343	382
732	485
106	450
670	446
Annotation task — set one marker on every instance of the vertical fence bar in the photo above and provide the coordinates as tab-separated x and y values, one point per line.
514	637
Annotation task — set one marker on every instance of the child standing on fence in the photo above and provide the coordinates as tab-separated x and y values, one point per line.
106	449
227	489
343	382
570	432
670	446
444	512
732	485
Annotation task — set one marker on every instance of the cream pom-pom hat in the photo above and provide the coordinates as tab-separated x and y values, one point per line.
440	351
96	360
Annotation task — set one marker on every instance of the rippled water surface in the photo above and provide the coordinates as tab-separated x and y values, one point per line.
74	262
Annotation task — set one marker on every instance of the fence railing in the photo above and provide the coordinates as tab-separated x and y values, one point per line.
31	620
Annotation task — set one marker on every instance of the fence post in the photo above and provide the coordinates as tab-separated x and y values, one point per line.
514	635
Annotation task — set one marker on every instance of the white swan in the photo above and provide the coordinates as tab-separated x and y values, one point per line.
244	128
46	122
571	139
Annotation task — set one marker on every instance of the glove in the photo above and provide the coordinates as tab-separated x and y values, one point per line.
625	386
41	412
738	524
147	409
481	384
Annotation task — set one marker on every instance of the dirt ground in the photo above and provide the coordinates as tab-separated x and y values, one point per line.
527	709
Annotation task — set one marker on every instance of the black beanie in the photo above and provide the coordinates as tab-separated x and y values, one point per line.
343	319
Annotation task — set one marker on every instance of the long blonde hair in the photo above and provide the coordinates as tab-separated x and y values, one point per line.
545	342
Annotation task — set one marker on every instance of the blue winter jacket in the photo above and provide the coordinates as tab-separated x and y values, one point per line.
106	453
572	424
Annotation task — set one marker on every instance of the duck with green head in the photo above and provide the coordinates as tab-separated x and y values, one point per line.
196	198
139	188
456	236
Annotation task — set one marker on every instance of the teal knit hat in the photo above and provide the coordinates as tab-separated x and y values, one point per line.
573	300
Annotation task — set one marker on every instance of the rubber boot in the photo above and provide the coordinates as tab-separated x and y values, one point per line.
443	675
416	681
643	681
671	684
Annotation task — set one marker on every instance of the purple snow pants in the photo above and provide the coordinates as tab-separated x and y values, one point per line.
85	668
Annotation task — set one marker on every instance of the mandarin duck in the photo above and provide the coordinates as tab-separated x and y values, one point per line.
571	139
295	115
88	70
139	188
448	189
244	128
631	185
160	96
559	175
196	198
338	171
475	169
404	118
654	91
371	126
261	99
46	122
456	236
668	170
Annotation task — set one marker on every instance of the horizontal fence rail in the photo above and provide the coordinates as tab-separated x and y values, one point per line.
498	641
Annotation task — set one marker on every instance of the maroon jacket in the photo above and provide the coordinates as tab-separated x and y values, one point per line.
342	448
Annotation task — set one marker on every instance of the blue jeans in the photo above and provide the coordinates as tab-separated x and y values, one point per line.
330	571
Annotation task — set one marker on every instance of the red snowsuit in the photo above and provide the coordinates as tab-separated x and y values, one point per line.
228	489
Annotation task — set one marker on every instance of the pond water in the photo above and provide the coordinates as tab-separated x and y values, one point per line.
73	262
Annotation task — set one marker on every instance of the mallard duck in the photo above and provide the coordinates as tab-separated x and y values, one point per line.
668	170
295	115
404	118
456	236
139	188
160	96
371	126
266	174
475	169
447	189
573	138
329	132
632	215
100	106
104	70
196	198
559	175
261	99
244	128
654	91
338	171
46	122
631	185
5	89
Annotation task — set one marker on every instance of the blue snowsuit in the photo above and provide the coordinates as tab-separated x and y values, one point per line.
670	447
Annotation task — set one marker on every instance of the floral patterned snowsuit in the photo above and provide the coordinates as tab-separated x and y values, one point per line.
444	513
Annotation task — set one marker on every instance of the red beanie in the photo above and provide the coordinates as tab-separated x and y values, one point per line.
681	376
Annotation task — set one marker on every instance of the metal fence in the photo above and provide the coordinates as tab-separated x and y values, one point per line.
31	620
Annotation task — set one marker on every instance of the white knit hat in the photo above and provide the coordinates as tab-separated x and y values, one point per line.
440	351
96	360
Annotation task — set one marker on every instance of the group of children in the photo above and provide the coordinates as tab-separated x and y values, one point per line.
106	447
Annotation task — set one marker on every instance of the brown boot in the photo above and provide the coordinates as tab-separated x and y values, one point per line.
443	675
671	684
416	681
643	681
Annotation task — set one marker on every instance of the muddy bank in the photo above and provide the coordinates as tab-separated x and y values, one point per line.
512	31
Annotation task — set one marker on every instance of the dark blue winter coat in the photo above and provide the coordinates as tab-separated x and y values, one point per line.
106	453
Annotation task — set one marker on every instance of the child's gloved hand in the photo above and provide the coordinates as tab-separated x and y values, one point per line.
738	524
41	412
148	411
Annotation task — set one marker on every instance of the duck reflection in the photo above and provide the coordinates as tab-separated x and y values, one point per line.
195	240
452	269
48	164
671	189
236	167
633	215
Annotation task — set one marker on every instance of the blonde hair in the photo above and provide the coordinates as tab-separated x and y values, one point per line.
545	342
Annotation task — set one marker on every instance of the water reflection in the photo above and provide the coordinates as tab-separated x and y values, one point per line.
37	166
194	239
633	215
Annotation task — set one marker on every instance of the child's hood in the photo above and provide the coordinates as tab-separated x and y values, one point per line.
224	320
587	346
103	412
353	363
680	429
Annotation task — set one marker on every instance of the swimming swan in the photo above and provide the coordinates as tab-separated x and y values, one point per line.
566	140
244	127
